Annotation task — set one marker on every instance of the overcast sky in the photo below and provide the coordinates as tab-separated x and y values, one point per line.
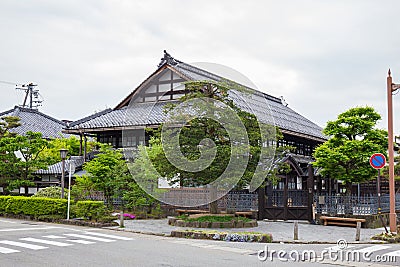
322	56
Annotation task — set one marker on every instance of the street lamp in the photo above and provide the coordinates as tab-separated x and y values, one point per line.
63	154
391	87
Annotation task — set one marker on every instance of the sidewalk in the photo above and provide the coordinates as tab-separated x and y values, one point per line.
281	231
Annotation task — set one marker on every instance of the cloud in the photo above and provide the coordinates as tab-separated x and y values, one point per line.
322	56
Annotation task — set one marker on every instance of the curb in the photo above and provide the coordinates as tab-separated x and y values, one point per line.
299	242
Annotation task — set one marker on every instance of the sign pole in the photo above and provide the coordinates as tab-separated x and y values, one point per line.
378	184
392	213
378	161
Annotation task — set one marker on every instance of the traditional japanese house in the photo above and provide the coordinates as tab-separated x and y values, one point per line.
164	86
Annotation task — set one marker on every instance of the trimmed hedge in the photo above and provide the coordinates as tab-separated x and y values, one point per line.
32	206
39	207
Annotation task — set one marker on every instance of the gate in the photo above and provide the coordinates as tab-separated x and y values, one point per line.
290	199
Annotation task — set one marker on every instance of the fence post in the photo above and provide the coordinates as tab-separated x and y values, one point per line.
261	202
121	219
296	231
358	230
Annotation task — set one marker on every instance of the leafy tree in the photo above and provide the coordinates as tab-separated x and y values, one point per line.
16	170
72	143
7	123
206	128
83	189
135	197
353	139
104	170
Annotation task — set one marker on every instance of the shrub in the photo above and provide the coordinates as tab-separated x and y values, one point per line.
51	192
33	206
92	210
3	203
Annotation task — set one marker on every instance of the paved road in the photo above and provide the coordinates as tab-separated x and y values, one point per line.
281	231
26	243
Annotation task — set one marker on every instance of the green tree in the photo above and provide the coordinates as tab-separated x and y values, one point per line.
19	158
141	172
353	139
7	123
104	170
72	143
206	128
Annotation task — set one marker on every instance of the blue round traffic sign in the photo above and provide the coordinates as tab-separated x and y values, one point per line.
377	161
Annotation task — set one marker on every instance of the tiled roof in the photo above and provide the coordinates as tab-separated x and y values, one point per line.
138	114
36	121
57	168
268	109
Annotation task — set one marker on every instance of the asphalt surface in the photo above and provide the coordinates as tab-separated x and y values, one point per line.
281	231
27	243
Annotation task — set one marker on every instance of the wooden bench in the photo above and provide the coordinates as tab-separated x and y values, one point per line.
183	211
341	221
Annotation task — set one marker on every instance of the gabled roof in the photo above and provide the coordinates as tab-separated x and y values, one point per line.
268	109
56	169
36	121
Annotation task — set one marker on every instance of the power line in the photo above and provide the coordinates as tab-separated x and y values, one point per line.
8	82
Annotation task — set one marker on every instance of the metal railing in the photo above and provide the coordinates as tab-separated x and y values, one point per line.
353	205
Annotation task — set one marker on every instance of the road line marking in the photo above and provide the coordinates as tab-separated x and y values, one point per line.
90	237
393	253
54	236
20	244
8	250
29	229
49	242
109	236
372	248
236	250
7	221
85	242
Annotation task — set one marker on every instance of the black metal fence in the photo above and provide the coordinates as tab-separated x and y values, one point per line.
233	201
353	205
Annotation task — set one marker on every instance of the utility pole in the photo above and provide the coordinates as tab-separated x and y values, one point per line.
32	94
391	87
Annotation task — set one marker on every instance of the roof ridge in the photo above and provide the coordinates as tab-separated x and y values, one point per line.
29	110
214	76
7	111
87	118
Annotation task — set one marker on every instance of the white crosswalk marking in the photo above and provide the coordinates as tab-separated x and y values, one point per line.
393	253
90	237
8	250
29	229
54	236
372	248
85	242
49	242
23	245
109	236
